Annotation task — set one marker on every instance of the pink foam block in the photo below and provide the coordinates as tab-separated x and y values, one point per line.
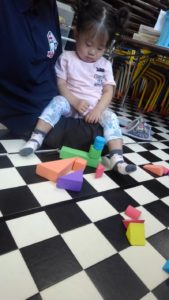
165	171
99	171
132	212
127	222
72	181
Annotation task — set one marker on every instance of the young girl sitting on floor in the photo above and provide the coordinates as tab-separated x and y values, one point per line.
85	81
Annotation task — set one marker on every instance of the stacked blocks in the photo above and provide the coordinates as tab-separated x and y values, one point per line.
72	181
156	169
166	266
57	170
135	228
93	157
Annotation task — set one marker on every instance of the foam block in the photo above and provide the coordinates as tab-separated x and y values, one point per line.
155	169
53	169
72	181
66	152
127	222
165	171
79	164
132	212
166	266
99	171
136	234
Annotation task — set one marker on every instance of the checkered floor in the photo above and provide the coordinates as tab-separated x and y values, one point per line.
56	244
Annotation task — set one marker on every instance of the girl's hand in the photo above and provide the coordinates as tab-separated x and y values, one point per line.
93	116
82	106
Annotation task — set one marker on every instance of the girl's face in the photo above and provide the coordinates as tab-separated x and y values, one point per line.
90	48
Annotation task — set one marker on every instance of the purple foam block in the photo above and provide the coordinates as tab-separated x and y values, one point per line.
72	181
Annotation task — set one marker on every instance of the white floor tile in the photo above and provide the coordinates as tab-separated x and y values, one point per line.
47	193
101	184
140	175
160	145
147	263
32	229
16	281
141	194
136	159
161	154
166	200
77	287
97	208
88	245
165	136
19	161
164	180
10	178
12	145
136	148
152	225
149	296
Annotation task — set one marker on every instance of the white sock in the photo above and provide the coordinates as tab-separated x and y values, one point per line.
117	163
33	144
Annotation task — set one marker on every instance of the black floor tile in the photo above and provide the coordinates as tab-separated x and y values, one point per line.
67	217
7	242
50	262
160	241
119	199
28	173
162	291
115	280
114	230
156	188
16	200
5	162
160	210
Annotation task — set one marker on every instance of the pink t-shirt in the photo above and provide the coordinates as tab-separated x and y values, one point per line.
85	80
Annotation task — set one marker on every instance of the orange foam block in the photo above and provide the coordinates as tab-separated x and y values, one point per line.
127	222
155	169
79	164
53	169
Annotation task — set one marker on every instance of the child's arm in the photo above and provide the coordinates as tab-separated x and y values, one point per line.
94	115
80	105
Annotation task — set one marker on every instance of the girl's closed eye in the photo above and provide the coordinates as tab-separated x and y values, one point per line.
88	44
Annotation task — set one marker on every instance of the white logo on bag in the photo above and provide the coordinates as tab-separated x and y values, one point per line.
52	44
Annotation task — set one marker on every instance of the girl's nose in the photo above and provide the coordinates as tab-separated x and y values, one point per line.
92	52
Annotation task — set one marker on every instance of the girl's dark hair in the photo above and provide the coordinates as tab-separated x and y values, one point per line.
101	16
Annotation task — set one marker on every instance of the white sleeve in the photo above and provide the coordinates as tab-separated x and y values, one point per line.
61	66
109	78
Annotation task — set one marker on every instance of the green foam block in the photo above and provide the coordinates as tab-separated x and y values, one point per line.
67	152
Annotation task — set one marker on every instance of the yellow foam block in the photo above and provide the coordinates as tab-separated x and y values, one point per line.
53	169
79	164
155	169
136	234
